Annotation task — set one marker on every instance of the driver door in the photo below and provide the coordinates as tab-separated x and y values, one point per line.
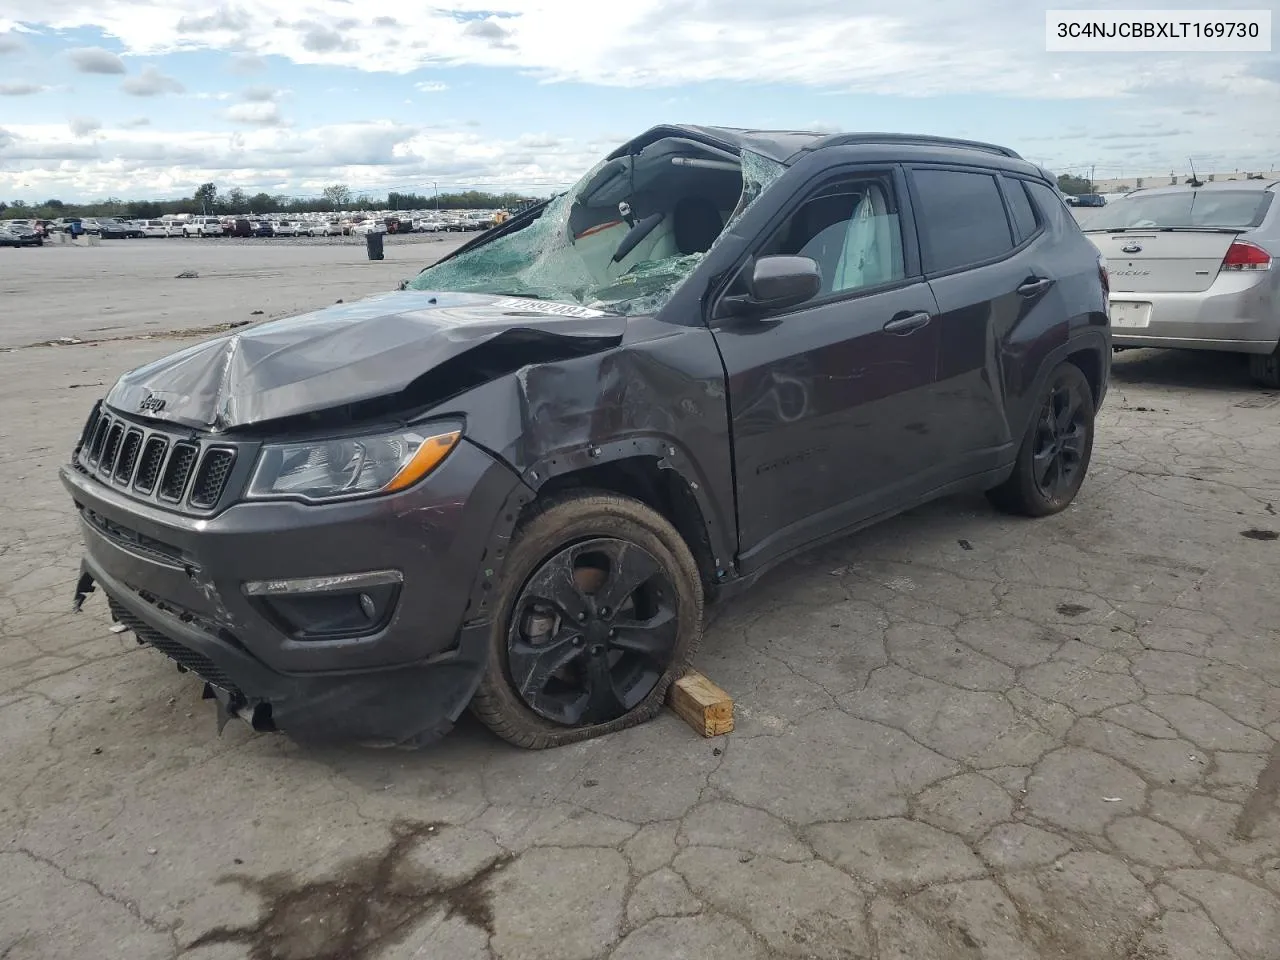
830	401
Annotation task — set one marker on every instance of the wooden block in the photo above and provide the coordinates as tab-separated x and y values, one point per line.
701	704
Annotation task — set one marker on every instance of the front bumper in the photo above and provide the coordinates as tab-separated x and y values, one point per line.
1240	313
179	582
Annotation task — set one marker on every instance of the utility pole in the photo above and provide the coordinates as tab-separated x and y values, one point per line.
435	189
1092	168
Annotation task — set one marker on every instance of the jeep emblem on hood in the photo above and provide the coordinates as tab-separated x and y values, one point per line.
151	404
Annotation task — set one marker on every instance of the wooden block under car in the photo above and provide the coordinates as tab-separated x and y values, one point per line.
701	704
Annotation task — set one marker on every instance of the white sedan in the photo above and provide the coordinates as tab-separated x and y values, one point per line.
367	227
325	228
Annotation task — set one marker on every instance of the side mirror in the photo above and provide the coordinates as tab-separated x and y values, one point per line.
776	283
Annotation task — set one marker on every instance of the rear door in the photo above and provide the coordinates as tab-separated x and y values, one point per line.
830	401
980	242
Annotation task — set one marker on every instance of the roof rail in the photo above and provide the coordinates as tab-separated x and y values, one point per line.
924	140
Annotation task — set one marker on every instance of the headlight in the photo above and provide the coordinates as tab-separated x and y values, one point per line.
351	467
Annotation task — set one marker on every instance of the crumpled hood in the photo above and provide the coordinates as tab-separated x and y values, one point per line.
339	355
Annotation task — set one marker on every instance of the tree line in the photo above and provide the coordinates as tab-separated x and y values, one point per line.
207	199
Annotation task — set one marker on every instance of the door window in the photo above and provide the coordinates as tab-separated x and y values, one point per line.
851	228
961	218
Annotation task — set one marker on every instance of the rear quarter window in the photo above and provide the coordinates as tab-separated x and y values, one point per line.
1024	215
961	218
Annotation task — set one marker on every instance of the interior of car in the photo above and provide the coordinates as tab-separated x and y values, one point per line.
672	199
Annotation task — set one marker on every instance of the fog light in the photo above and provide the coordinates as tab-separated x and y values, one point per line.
346	606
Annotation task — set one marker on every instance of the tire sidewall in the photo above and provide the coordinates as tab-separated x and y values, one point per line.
574	519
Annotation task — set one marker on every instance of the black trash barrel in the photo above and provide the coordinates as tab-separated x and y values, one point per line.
373	243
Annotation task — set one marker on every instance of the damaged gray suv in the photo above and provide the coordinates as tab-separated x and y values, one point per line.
513	483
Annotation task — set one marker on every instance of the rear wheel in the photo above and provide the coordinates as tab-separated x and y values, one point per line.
599	610
1265	369
1055	453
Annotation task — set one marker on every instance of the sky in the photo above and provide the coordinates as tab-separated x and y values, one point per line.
147	99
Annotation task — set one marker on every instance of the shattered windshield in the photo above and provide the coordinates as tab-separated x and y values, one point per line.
624	237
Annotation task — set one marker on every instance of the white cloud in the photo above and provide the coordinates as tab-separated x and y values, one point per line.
985	47
260	94
95	60
151	83
136	122
83	126
431	86
38	161
258	114
10	44
20	89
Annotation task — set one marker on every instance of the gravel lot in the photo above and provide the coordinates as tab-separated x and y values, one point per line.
959	735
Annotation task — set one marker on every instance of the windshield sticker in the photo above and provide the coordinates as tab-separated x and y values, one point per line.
542	306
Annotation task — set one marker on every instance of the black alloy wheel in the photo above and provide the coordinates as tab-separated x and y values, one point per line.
597	609
592	632
1054	456
1059	447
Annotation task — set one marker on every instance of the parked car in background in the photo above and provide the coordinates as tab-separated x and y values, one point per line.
203	227
284	228
366	227
514	483
115	229
154	228
325	228
1091	200
262	228
427	225
19	234
1193	267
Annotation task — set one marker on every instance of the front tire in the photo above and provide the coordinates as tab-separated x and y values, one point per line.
1264	369
1055	453
599	609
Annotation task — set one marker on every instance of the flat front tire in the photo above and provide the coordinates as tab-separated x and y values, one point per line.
599	609
1054	456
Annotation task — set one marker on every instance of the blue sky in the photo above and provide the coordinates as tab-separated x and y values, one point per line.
149	98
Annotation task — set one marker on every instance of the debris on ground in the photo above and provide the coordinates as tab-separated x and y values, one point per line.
118	628
77	386
255	313
1253	533
965	544
60	340
187	275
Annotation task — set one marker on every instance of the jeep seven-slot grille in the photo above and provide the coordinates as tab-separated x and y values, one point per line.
167	468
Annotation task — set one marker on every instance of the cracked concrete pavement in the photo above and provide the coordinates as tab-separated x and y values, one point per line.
959	735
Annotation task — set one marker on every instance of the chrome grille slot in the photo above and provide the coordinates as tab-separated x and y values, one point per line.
212	477
128	458
152	460
178	471
111	448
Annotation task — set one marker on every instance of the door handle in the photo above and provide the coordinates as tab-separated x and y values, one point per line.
1033	287
903	324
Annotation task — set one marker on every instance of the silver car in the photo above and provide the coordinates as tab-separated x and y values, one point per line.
1191	267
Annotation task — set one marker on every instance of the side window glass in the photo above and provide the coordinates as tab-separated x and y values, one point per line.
961	218
852	228
1024	215
1050	205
